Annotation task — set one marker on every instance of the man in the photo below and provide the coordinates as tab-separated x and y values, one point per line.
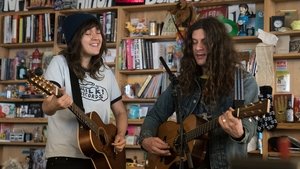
206	80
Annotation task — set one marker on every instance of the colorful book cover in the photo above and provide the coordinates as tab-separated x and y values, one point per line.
213	11
9	109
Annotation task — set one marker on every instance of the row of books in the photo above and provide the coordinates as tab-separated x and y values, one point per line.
108	21
24	5
153	85
145	54
28	28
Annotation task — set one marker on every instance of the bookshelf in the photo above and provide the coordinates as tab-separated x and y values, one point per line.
158	13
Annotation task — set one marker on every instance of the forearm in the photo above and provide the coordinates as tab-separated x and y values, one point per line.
120	114
47	107
121	124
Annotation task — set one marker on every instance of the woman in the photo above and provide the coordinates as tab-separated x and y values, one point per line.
99	92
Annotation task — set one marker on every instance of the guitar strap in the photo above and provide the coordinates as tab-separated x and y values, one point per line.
239	89
76	92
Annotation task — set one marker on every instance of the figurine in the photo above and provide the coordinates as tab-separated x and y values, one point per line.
243	19
138	30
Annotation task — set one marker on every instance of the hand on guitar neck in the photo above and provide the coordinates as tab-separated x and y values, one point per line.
231	125
57	102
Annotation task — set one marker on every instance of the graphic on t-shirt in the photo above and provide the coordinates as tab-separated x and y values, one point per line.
93	92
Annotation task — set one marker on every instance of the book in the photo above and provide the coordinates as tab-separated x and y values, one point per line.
297	108
282	76
110	55
294	45
38	158
20	33
213	11
234	11
46	59
144	85
5	129
9	109
129	55
282	79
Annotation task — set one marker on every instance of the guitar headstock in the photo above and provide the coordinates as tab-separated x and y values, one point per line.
253	109
41	83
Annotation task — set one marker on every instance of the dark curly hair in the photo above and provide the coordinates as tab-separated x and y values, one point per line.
222	60
73	50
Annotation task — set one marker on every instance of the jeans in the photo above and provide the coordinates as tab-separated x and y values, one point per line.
68	163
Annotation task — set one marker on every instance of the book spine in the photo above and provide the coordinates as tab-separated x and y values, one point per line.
129	58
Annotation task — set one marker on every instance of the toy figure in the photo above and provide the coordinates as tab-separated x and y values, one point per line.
137	30
243	19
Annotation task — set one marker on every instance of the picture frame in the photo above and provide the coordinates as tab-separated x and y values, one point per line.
276	22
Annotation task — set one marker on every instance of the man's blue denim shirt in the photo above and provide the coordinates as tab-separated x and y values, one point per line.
222	147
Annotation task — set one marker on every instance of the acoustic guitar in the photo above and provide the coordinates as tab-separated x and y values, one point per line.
95	137
195	129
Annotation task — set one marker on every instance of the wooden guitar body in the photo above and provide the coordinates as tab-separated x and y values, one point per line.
98	147
169	132
195	135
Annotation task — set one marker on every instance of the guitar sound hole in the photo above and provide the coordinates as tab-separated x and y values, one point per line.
102	139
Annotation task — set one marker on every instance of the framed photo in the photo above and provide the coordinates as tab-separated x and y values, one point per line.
276	23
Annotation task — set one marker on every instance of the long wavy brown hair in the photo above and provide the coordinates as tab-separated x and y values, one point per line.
73	51
221	61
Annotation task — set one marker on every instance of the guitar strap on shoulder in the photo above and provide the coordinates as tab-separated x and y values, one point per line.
76	92
239	89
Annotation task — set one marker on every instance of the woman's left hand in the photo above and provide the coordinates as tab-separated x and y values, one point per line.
231	125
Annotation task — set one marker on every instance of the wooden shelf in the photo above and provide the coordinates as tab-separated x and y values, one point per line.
90	10
4	143
156	38
246	39
283	0
208	3
135	121
27	45
286	56
288	126
24	120
291	33
18	100
29	12
154	7
138	100
12	81
277	154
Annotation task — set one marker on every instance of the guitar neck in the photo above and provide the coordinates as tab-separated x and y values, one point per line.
250	110
202	129
80	115
49	88
82	118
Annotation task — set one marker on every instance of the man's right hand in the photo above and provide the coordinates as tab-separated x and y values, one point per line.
156	146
